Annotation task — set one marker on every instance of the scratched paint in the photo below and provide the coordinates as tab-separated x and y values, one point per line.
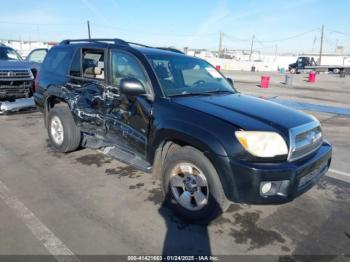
108	119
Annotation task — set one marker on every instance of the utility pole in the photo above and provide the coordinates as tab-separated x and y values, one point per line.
276	49
313	44
220	43
321	45
336	44
251	48
88	26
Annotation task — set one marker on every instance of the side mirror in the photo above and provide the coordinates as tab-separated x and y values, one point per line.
230	81
132	87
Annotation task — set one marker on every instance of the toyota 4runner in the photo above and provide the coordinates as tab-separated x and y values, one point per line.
180	119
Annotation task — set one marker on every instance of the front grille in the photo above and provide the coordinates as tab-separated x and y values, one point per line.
304	140
16	74
15	88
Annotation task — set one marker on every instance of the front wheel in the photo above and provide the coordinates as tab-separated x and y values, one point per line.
292	70
192	186
63	133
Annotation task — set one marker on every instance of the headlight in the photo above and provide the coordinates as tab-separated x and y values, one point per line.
262	144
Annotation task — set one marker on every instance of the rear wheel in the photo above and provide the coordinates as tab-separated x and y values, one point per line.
63	133
192	186
292	70
336	71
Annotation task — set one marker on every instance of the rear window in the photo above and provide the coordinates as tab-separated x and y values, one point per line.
75	69
57	61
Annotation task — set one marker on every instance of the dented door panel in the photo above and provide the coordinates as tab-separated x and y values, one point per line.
128	123
118	120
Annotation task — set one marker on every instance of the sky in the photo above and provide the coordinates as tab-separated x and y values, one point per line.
285	26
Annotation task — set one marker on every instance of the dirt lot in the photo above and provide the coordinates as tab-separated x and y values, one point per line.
87	203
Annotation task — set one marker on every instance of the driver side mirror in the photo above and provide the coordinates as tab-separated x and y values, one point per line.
132	87
230	81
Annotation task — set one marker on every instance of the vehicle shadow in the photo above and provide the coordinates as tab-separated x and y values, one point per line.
183	238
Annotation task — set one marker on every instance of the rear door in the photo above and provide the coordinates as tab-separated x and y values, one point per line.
87	83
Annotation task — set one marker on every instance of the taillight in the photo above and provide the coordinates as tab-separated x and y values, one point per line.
36	82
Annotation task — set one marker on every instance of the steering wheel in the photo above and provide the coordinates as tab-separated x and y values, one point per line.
199	82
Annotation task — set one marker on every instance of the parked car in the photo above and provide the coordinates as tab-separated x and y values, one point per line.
180	119
37	55
16	75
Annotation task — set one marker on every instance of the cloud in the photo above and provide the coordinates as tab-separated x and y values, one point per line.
94	10
219	13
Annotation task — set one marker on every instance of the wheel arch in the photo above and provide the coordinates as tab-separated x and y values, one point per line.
50	102
210	147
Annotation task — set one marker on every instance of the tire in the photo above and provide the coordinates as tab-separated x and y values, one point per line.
216	203
336	71
71	136
292	70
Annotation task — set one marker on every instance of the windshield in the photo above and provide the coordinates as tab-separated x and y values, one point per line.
9	54
182	75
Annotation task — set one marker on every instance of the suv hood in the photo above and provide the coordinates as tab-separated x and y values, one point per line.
246	112
4	64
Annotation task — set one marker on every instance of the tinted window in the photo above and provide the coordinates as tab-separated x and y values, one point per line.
57	61
75	69
127	66
37	56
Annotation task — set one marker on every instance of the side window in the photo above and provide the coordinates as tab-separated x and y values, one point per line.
93	64
127	66
57	61
75	69
37	56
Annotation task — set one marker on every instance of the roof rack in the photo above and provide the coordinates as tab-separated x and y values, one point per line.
94	40
117	42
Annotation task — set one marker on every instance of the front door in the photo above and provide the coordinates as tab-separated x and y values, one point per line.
127	123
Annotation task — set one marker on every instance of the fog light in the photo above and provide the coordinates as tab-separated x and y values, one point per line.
266	187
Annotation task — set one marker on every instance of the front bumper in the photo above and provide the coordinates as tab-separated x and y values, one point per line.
297	177
17	105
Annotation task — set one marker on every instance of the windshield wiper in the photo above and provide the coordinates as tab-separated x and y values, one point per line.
218	91
207	93
191	94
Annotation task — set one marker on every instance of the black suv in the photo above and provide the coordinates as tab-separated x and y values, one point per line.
180	119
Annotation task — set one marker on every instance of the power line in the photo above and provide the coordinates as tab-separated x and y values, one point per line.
338	32
105	26
151	33
291	37
235	39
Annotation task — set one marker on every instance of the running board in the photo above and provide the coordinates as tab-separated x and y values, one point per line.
127	158
118	153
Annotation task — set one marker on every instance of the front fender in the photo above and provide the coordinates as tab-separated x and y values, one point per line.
189	134
178	130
